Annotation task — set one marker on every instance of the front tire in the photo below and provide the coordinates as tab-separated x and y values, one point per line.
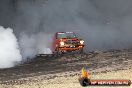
57	52
80	51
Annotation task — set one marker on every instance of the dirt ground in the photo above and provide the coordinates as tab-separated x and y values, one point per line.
63	72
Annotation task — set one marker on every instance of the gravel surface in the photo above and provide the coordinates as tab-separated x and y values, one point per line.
63	72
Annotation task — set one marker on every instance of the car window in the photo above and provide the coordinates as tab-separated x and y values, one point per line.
66	35
61	35
71	35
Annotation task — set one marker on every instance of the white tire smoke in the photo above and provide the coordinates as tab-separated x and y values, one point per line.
10	54
9	50
31	45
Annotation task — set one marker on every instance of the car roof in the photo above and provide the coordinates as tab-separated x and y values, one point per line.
64	32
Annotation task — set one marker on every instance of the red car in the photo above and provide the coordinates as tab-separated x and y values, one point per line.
67	41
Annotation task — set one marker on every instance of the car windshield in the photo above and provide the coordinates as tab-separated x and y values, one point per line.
66	35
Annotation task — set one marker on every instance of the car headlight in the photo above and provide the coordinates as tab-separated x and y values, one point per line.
82	42
62	43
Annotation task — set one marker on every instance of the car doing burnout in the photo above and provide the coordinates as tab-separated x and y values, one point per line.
67	41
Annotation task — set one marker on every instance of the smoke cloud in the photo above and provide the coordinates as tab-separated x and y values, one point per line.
9	50
103	24
35	44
